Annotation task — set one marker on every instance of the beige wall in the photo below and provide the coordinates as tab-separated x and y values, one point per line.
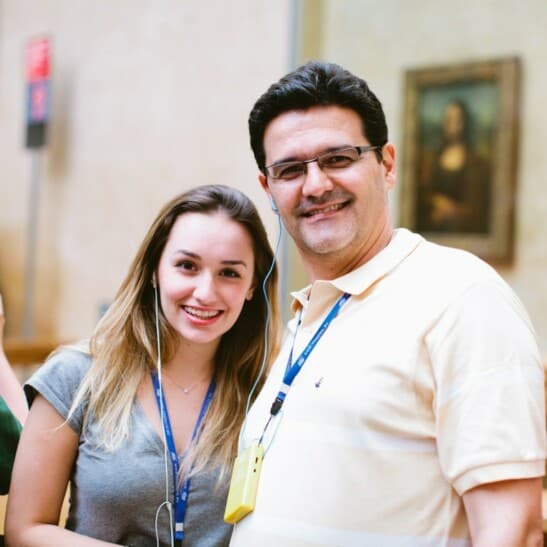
380	40
149	99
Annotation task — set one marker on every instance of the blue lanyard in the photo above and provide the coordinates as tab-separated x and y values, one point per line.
180	496
292	370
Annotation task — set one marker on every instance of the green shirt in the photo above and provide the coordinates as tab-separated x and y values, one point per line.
10	430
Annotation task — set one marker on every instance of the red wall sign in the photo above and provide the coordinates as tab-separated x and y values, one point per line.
38	59
37	90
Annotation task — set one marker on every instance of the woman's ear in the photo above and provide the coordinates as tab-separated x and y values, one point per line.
250	294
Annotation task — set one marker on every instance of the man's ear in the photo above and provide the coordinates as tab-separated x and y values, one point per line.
263	181
389	165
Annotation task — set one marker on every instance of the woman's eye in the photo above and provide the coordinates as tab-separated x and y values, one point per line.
227	272
186	265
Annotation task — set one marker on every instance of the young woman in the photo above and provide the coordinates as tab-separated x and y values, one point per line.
155	406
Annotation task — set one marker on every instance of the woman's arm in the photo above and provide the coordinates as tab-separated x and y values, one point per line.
10	388
46	453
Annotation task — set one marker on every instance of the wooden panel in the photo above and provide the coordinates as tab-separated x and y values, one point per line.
25	352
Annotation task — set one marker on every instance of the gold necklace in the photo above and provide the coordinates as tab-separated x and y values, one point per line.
185	390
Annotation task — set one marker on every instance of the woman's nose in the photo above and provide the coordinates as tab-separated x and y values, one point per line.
204	289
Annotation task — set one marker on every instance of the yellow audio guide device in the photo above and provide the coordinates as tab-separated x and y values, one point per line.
244	483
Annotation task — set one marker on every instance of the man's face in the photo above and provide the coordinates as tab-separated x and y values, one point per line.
334	216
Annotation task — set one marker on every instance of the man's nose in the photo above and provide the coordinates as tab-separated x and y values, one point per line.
316	181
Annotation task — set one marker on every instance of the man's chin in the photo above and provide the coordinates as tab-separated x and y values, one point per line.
322	246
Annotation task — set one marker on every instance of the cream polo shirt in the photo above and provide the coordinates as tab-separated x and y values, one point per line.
426	384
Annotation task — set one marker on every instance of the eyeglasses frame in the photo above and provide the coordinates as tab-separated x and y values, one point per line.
360	149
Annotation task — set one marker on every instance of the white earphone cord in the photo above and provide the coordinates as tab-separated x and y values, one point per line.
166	503
266	339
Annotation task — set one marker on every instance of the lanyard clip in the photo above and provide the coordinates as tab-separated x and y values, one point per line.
276	405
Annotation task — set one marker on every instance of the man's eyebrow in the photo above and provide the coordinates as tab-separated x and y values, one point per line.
290	159
294	159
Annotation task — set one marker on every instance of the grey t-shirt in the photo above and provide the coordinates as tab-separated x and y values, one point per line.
115	495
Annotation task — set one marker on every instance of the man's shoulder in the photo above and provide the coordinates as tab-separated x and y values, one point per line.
457	264
439	273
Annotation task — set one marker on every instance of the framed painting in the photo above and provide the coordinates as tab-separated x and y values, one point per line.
460	143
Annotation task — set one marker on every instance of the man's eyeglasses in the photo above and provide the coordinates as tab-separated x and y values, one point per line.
329	161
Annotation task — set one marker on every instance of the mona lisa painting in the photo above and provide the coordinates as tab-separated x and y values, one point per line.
459	155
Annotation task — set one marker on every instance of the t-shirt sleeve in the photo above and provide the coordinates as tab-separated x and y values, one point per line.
490	406
57	380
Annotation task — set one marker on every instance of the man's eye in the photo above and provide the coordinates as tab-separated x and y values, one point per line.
337	160
290	170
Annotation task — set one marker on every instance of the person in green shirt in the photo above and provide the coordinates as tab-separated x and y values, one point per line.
11	390
13	411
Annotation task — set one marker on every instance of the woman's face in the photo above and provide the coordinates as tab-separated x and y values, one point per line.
205	275
453	124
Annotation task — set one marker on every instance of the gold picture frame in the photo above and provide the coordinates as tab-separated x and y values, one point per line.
460	144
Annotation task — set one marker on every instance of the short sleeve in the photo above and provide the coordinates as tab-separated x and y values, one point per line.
57	380
490	406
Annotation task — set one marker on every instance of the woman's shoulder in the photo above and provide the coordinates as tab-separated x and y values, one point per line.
70	362
61	374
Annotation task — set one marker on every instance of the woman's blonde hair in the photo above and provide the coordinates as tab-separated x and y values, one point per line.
123	346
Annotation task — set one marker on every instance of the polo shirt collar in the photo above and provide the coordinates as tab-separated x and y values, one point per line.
402	244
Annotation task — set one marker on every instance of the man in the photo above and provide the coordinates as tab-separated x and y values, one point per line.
416	415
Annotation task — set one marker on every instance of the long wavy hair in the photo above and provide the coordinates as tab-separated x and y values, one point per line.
124	344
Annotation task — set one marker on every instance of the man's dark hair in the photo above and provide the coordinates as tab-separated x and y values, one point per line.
317	83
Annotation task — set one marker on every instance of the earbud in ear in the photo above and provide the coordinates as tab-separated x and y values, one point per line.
273	205
154	284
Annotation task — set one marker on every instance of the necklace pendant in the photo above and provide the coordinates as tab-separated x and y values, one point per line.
186	390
